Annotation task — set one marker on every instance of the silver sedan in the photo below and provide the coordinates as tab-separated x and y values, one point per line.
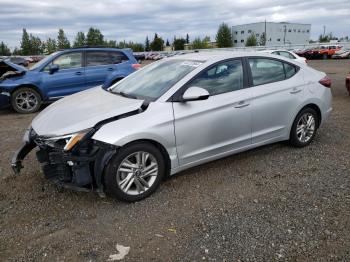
172	115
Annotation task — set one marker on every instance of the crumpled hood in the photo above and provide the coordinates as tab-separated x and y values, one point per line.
81	111
12	66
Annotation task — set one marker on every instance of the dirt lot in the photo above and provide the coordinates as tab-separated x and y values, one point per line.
271	203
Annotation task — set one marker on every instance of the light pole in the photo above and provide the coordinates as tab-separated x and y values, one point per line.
284	37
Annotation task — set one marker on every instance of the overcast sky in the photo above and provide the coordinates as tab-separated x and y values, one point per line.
134	19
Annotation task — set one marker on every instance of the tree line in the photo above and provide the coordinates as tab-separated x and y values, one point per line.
33	45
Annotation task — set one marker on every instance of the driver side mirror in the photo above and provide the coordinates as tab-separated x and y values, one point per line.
53	68
194	94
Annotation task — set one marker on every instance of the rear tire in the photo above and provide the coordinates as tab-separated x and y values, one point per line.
304	127
325	56
135	172
25	100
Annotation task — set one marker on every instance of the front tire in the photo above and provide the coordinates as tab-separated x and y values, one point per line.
25	100
304	127
135	172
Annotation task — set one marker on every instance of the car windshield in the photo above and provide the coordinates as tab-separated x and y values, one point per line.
154	80
42	62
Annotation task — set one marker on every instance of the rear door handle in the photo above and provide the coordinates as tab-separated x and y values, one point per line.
241	104
78	73
295	91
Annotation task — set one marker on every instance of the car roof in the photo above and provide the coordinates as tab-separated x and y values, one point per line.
220	55
95	49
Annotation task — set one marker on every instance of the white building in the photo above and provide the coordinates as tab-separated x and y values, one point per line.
276	33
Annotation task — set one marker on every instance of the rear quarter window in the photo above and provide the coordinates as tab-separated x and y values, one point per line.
118	57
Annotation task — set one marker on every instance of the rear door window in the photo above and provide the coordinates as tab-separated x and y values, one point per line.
290	70
97	58
265	70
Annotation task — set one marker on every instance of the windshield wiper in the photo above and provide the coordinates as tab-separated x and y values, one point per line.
125	94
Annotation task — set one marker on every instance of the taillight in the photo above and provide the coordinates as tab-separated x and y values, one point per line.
136	66
326	81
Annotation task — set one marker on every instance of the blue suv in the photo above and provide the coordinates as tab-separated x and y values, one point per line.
61	74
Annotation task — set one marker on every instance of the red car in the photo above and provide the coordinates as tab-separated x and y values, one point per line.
347	83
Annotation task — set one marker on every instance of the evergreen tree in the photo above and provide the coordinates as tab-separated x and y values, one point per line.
94	37
110	43
4	49
147	44
197	43
157	43
51	46
224	36
79	40
36	45
16	51
262	40
167	43
136	47
251	40
62	40
187	39
25	43
179	44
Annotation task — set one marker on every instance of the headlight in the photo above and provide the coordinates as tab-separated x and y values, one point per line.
66	142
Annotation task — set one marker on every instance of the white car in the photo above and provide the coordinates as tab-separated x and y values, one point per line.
174	114
287	54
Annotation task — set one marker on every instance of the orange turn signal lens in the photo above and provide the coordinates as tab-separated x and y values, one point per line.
73	141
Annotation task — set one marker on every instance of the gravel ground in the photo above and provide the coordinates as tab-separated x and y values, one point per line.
271	203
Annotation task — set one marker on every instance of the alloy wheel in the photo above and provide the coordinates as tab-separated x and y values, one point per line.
137	173
306	127
26	100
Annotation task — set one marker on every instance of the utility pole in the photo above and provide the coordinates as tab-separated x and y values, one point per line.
265	34
324	30
284	37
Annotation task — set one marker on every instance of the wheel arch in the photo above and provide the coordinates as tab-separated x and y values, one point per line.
28	86
161	148
317	109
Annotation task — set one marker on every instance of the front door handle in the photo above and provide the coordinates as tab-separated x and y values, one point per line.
241	104
295	91
110	69
78	73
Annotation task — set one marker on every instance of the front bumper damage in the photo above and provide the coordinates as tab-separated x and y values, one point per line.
80	169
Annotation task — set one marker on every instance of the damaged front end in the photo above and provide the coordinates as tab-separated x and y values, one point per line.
73	161
9	69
